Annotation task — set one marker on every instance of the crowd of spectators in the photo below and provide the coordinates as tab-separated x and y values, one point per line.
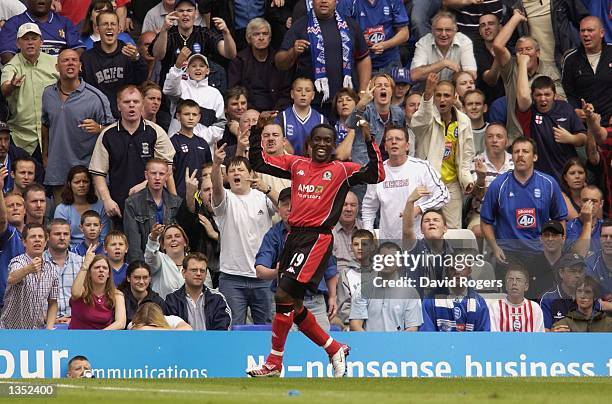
129	201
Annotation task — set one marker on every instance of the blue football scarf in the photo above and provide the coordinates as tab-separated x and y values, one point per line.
317	51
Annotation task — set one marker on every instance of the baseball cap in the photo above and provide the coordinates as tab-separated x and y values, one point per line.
197	56
571	260
401	75
284	195
192	2
28	27
4	127
553	226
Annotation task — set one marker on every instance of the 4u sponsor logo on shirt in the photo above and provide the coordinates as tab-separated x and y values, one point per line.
526	218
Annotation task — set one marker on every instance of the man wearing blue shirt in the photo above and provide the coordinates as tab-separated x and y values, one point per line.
599	265
266	265
517	204
584	230
11	244
384	24
57	32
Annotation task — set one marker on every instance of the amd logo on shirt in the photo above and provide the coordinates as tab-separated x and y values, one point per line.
109	75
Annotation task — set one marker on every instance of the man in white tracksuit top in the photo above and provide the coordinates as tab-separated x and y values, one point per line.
402	175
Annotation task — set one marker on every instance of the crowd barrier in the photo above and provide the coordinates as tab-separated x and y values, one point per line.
175	354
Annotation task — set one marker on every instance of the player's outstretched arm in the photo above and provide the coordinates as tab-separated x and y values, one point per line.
374	171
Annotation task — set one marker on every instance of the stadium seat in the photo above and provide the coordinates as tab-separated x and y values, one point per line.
466	237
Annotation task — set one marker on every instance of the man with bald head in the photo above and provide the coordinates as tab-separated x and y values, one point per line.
586	70
73	115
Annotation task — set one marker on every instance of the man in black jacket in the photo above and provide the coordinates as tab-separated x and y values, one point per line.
111	64
201	307
587	72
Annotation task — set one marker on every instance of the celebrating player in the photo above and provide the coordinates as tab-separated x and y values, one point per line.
319	186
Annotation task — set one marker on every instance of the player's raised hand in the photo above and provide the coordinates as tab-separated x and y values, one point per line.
182	57
156	231
170	20
219	154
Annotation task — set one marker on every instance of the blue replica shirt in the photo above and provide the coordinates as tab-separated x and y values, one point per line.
598	270
378	22
443	313
119	275
81	249
246	10
297	130
574	228
272	247
518	211
57	33
552	155
190	152
11	245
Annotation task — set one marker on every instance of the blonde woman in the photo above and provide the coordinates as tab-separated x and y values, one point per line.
95	302
149	316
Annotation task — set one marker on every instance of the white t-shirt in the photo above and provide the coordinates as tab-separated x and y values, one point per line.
594	60
391	196
243	220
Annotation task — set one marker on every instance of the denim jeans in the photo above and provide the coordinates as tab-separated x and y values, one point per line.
420	16
242	292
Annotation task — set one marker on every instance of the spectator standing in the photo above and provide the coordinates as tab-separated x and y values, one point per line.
24	171
112	63
586	70
166	248
444	138
57	32
152	205
90	33
156	16
384	25
121	153
488	69
254	69
73	115
344	229
328	49
23	80
403	174
468	14
30	300
235	106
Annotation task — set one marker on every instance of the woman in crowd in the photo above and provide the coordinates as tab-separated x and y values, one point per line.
95	303
137	290
89	31
150	316
585	318
79	196
343	104
166	247
573	179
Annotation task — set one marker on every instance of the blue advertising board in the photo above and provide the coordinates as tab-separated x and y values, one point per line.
192	354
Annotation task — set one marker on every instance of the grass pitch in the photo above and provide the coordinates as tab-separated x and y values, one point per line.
321	391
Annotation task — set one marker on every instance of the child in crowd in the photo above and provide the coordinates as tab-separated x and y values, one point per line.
115	248
192	152
91	226
475	106
298	120
212	116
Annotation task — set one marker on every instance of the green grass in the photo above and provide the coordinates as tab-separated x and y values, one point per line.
323	391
